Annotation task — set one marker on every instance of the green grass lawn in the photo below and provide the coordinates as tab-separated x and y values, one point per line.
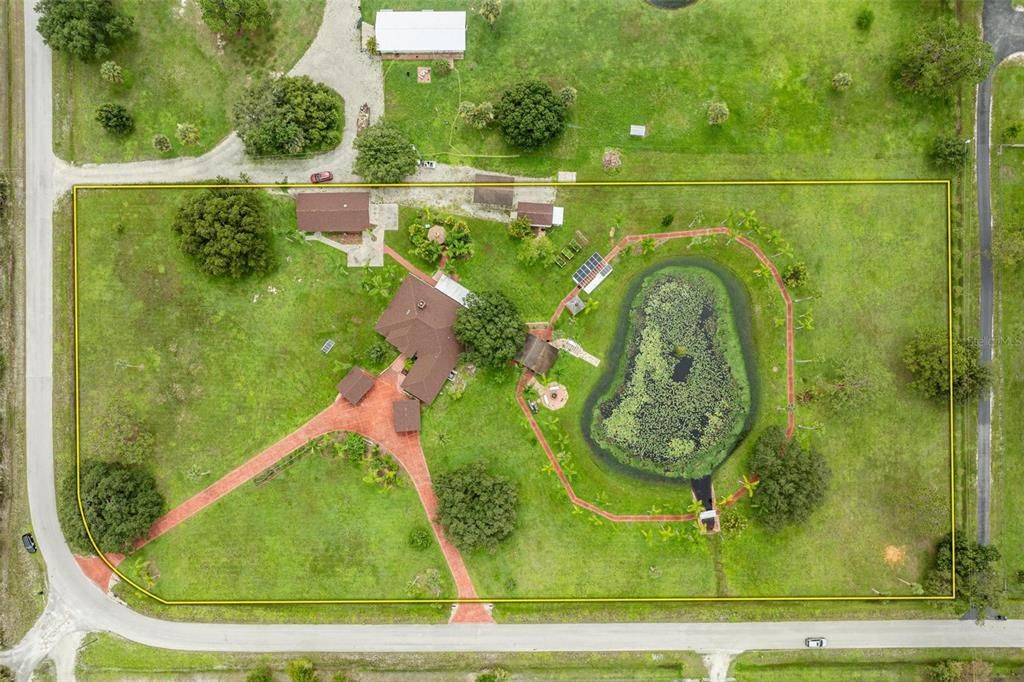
219	369
877	665
316	531
175	72
857	243
1008	431
633	63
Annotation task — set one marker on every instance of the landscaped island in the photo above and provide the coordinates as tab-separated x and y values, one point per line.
677	400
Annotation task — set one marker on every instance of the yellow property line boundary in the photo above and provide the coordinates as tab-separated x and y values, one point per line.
528	600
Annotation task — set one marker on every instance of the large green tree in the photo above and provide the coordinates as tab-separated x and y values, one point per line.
476	508
491	329
793	480
120	502
978	580
384	154
225	231
287	116
84	29
927	356
235	16
942	56
115	119
530	114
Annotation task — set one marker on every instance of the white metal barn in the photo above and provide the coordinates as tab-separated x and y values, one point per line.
421	35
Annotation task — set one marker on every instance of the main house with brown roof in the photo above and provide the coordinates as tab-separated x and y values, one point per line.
333	212
419	322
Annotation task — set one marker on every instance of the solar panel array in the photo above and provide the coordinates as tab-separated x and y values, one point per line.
589	268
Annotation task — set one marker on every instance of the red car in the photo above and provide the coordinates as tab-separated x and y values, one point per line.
322	176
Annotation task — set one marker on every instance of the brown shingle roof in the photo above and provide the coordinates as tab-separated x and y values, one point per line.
356	384
332	211
424	332
407	415
493	196
540	215
537	355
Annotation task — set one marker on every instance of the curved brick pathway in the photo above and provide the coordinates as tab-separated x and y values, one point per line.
373	419
790	374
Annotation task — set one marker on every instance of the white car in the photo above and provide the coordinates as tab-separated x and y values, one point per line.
816	642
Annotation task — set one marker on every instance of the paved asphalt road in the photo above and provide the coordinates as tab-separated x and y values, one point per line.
76	605
1004	28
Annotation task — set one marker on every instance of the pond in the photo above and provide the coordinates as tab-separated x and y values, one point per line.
679	390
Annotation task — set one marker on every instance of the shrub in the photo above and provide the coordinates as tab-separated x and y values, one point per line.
667	219
457	242
420	538
926	357
1012	132
538	250
948	152
476	508
161	143
288	115
979	581
115	119
441	68
520	228
354	447
794	480
371	45
842	81
384	154
941	57
121	502
261	674
235	16
491	328
865	18
530	115
795	275
111	72
187	133
301	670
568	96
490	10
225	231
477	116
378	352
84	29
718	112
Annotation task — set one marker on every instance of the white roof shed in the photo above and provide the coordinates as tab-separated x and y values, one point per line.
452	289
418	32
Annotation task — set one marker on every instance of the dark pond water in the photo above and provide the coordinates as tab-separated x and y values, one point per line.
681	372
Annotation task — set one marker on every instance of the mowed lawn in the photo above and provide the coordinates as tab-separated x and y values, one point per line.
218	369
1008	432
632	63
872	665
876	254
316	531
175	72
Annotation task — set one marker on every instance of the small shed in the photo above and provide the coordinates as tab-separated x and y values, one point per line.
356	384
575	305
491	195
540	215
637	131
452	289
537	355
407	415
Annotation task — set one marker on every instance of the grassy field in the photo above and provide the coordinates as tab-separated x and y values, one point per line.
105	657
1008	431
218	369
633	63
871	308
315	531
175	72
888	665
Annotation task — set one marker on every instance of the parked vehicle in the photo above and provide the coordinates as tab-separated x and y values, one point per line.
816	642
322	176
30	543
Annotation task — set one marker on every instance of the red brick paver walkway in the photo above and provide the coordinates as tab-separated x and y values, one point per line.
373	419
409	266
97	570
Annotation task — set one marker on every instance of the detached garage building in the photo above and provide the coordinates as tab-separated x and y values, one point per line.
344	212
420	35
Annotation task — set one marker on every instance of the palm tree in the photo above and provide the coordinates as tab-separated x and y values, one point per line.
749	485
696	507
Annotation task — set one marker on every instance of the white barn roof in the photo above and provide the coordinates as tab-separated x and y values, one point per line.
425	31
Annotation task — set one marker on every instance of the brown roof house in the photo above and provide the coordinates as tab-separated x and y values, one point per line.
540	215
356	384
406	414
418	322
537	355
500	197
334	212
